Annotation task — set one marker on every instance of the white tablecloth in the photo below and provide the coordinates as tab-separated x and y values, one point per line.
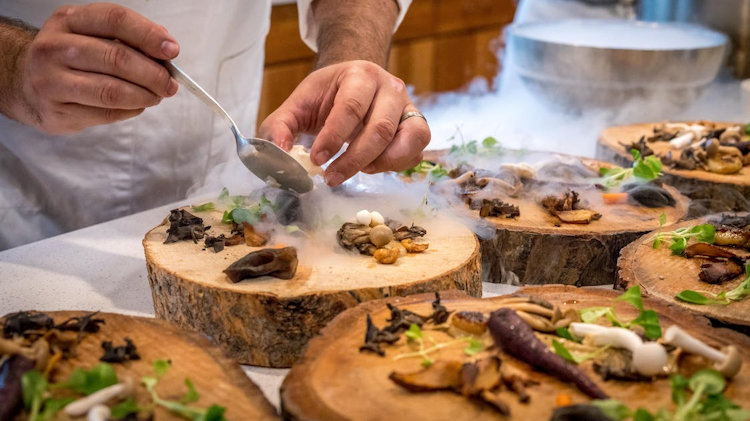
102	267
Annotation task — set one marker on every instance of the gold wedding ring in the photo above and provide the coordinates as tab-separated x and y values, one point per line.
411	114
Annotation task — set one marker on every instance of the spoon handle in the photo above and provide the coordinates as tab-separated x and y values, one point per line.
196	90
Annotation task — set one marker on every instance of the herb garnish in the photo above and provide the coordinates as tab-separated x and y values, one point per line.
645	168
415	335
707	402
432	170
575	358
679	238
648	319
723	298
204	207
489	145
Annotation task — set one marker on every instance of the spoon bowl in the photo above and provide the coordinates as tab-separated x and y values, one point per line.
263	158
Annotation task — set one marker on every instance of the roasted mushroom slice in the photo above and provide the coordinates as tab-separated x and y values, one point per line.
442	375
279	263
473	322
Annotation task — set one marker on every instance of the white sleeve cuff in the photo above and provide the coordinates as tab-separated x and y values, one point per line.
308	27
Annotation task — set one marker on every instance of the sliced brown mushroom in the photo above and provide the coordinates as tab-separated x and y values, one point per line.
473	322
442	375
279	263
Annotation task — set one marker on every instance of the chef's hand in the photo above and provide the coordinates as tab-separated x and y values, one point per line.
357	102
92	65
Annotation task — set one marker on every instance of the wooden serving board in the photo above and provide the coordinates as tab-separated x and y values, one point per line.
710	192
217	378
531	250
662	275
334	381
267	321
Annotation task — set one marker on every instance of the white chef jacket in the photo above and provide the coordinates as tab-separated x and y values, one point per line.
50	184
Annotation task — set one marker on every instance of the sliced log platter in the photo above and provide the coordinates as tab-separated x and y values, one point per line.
217	378
710	192
663	275
530	249
334	381
267	321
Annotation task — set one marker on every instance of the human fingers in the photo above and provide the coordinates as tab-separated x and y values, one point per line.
405	151
99	90
111	21
376	135
107	57
354	96
280	127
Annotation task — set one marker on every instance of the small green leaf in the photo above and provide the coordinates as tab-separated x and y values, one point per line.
657	242
706	233
679	384
475	346
662	219
89	381
226	218
636	154
414	332
633	297
161	367
489	142
33	386
694	297
747	128
124	408
426	362
642	415
562	351
149	382
650	322
192	394
563	332
52	406
214	413
711	380
592	314
204	207
613	409
471	147
678	245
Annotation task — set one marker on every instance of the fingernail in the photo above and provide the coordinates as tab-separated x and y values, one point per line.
170	49
334	178
172	88
322	157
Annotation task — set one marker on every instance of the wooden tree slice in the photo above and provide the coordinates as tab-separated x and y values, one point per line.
663	275
709	192
334	381
267	321
531	250
217	378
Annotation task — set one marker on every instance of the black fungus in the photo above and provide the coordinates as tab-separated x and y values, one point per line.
184	226
374	337
402	319
402	232
82	324
120	353
17	324
280	263
649	195
494	208
439	314
288	208
579	412
216	243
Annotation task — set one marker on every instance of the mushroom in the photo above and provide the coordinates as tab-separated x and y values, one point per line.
380	235
364	217
415	246
376	219
279	263
495	187
682	140
649	359
723	159
521	169
99	413
386	256
731	134
728	361
83	405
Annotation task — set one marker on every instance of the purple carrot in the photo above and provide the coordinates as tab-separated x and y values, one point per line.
515	337
11	395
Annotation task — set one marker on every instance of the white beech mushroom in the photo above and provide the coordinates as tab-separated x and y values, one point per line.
682	140
376	219
649	359
82	406
364	217
728	361
99	413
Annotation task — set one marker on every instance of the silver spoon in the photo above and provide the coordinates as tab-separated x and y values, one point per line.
262	157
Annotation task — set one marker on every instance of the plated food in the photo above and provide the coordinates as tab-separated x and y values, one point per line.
102	366
261	283
557	218
544	353
707	161
700	265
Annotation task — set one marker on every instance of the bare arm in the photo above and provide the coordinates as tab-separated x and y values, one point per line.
354	30
15	37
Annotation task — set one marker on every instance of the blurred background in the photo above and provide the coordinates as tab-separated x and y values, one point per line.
549	74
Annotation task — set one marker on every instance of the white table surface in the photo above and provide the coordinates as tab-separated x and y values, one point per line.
102	267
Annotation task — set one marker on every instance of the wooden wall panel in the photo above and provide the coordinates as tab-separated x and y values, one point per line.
441	46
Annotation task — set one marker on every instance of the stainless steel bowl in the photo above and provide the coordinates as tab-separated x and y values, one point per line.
601	63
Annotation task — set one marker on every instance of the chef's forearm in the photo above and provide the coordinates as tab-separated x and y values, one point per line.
15	37
354	30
